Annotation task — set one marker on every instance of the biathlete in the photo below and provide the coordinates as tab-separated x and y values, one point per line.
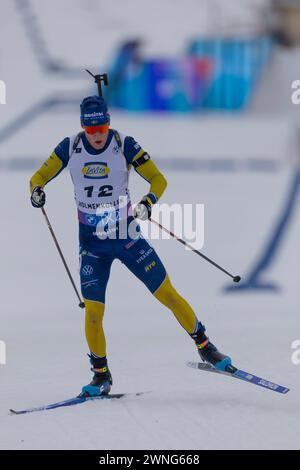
99	160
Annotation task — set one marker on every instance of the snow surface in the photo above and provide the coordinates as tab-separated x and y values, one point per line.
44	329
147	349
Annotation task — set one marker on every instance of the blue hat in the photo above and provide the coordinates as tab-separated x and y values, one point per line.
93	111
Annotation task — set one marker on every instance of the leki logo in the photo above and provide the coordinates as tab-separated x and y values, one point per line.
95	170
2	92
2	353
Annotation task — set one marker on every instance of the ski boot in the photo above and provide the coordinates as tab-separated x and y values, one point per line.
102	380
208	351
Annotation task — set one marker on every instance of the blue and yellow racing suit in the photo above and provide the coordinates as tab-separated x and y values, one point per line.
102	196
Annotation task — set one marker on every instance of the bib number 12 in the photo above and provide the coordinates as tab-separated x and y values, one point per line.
105	190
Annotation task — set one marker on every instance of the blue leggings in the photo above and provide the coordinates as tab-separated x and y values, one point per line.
138	255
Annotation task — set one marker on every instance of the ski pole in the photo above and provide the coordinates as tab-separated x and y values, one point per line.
81	303
235	278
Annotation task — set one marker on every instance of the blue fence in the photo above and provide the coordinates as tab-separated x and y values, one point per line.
214	74
163	85
237	66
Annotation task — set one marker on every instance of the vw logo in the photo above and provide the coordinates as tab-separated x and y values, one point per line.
87	270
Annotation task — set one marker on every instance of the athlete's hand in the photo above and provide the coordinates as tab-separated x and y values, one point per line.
143	209
38	197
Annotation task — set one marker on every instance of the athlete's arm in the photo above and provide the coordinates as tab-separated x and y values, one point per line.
149	171
158	182
50	168
57	161
145	167
142	164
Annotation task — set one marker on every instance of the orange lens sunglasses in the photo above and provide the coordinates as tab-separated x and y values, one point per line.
93	129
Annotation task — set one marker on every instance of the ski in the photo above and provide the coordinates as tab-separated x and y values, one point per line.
242	375
73	401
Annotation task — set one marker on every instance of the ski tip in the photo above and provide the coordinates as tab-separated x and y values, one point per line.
143	393
16	412
192	364
202	366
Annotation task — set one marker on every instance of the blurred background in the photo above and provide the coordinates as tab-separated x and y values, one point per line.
206	88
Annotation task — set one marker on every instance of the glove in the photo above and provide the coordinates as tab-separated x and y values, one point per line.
143	209
38	197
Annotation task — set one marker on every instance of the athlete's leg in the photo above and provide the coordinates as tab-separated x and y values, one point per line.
144	262
141	258
94	333
94	275
184	313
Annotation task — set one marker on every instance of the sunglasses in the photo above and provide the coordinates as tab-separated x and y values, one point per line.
93	129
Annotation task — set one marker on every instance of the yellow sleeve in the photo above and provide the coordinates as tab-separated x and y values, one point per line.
50	168
151	173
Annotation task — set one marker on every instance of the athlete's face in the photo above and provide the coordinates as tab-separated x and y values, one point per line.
97	140
97	136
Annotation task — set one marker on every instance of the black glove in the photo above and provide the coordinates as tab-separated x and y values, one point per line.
38	197
143	209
